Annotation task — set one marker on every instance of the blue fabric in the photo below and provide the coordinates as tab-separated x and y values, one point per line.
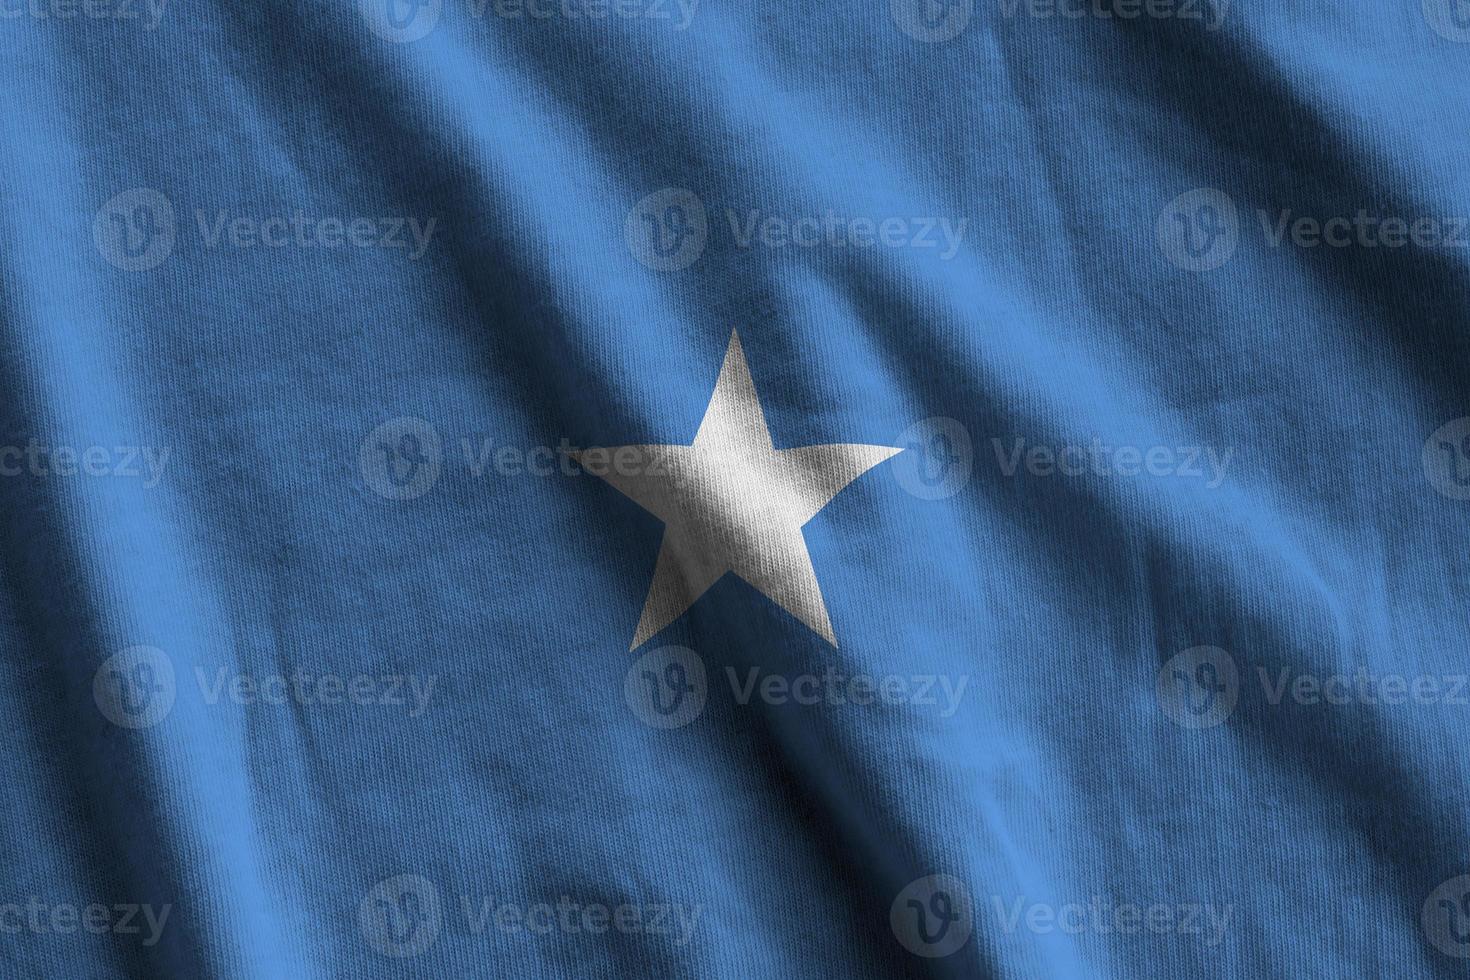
314	637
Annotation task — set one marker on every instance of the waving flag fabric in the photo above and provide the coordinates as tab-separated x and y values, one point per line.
665	488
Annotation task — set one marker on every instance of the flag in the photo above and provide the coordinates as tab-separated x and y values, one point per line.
658	488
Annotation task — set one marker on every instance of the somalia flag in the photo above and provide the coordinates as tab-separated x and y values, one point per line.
667	488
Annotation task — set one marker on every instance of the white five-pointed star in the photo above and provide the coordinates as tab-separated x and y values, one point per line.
732	502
